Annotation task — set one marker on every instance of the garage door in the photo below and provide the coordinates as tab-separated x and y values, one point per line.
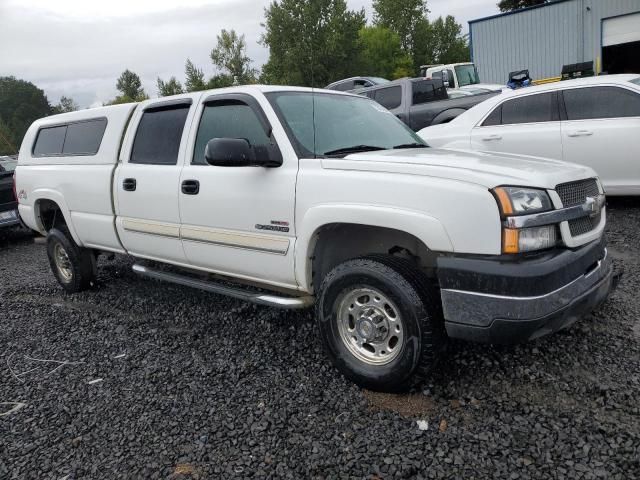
619	30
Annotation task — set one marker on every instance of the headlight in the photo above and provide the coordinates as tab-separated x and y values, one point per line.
522	201
514	201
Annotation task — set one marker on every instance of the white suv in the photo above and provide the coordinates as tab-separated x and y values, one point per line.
592	121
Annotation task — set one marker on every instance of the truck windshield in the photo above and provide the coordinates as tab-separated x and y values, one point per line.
467	75
343	124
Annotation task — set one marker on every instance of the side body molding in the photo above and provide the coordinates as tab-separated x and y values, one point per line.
424	227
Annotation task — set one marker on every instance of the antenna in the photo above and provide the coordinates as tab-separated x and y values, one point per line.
313	96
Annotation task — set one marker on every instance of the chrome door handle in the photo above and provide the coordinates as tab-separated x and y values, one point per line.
580	133
491	138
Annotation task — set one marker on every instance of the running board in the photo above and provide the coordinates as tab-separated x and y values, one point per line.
259	298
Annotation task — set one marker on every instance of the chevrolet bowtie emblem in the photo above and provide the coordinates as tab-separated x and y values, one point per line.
592	206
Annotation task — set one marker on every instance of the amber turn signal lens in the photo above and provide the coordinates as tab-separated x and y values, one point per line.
510	240
505	201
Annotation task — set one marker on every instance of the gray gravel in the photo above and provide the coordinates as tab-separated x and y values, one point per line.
167	382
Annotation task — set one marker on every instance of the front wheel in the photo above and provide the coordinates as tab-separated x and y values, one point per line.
73	267
379	321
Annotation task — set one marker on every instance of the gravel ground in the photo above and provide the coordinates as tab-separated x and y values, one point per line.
145	380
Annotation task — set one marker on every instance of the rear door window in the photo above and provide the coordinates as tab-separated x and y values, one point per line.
344	86
601	102
158	136
530	109
390	97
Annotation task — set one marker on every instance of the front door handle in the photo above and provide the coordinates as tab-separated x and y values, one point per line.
491	138
129	184
191	187
580	133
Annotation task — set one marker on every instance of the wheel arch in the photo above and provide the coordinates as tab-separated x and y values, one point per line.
50	210
331	234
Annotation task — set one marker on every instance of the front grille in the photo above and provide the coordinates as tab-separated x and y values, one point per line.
6	195
576	193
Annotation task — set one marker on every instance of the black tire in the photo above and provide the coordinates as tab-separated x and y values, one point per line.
81	271
420	312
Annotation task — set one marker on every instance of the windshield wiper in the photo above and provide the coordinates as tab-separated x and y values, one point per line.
354	149
411	145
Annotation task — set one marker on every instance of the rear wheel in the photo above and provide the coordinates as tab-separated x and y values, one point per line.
379	321
73	267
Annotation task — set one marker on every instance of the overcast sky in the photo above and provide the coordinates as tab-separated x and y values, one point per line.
78	48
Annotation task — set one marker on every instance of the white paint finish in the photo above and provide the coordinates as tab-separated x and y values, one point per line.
624	29
97	231
77	184
238	199
539	139
368	193
155	200
116	116
610	147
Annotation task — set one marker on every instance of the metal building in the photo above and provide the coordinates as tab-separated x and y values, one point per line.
544	38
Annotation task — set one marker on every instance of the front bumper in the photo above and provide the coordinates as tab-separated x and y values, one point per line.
502	301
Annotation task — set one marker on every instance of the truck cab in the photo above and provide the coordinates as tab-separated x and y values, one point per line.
457	75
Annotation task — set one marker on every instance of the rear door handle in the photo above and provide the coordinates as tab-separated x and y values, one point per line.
580	133
129	184
491	138
191	187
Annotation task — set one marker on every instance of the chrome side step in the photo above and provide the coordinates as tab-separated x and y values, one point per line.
259	298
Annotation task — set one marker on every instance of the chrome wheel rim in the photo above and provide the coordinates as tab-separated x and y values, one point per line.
63	264
370	326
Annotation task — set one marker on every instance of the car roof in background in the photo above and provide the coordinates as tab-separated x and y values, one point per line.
475	114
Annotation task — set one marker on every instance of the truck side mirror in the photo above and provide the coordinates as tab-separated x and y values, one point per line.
445	78
238	152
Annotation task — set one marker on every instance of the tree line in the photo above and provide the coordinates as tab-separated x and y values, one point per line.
311	43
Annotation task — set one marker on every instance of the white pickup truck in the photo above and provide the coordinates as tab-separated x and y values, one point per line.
300	197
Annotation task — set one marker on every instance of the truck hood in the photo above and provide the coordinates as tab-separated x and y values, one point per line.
489	169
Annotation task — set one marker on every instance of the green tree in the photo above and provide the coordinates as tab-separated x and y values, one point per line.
401	17
194	77
66	105
21	103
510	5
381	53
230	56
170	87
440	41
311	43
130	85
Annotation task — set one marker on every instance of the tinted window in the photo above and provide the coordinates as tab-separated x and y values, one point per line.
424	91
390	97
601	102
494	119
344	86
50	141
158	137
84	137
530	109
228	120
